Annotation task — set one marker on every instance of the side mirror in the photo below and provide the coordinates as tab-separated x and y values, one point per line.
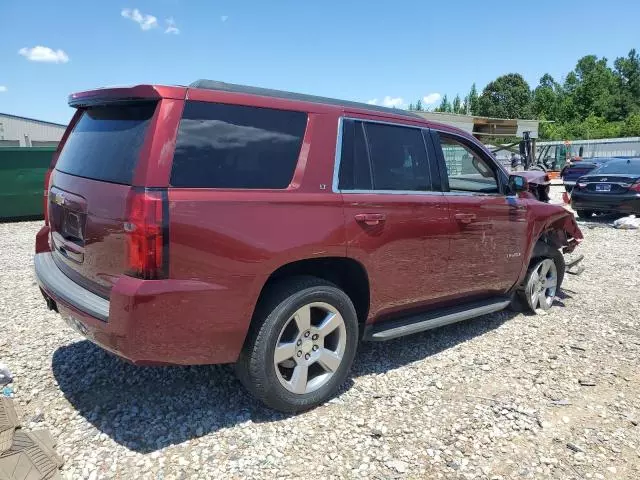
517	183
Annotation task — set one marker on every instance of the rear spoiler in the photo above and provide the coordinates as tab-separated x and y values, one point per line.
125	94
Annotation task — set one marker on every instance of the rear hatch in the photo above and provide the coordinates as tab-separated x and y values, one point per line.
90	192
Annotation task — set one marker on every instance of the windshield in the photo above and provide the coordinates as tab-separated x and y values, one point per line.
625	167
105	143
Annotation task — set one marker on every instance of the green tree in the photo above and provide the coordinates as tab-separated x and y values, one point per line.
631	126
508	96
472	101
596	89
456	106
445	105
411	107
419	106
547	99
627	72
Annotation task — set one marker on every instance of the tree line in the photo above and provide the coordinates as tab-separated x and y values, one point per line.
594	100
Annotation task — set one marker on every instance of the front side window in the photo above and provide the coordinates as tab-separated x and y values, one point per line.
467	170
237	146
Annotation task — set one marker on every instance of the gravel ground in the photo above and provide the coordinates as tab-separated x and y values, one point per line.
502	396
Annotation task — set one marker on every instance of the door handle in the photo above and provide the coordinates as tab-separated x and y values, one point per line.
465	217
371	218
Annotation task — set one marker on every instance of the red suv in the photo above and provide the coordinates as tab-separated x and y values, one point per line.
219	223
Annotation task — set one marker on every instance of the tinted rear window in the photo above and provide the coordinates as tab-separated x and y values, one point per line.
105	143
234	146
620	166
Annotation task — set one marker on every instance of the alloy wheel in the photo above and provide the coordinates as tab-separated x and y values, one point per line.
543	285
310	348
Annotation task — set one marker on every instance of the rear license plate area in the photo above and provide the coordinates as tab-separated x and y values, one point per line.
603	187
72	225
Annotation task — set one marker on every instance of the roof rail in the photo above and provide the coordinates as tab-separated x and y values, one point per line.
268	92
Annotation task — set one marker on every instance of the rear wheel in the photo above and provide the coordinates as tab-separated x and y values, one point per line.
302	345
584	213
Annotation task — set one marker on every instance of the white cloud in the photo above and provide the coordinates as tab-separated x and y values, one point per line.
171	26
146	22
224	18
44	54
373	101
392	101
431	98
3	89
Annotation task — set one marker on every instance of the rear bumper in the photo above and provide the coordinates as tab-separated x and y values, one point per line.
60	286
150	322
627	203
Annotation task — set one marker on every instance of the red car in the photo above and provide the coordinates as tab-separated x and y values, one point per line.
218	223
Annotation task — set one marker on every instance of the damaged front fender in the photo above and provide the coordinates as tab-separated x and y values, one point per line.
556	226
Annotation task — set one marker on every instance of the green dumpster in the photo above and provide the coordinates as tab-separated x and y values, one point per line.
22	172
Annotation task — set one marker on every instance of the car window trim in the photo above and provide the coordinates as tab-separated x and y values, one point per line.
500	173
338	159
367	148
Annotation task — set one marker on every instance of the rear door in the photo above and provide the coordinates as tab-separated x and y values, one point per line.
89	189
396	217
488	237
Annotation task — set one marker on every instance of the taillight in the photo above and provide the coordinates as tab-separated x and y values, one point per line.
47	177
581	185
147	234
635	187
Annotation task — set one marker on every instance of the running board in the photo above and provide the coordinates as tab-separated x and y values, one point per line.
433	319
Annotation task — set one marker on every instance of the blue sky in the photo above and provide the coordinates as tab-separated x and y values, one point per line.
400	50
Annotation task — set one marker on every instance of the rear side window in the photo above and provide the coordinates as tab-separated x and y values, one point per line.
398	158
355	171
105	143
235	146
378	156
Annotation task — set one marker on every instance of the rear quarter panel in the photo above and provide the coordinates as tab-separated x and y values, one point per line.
232	240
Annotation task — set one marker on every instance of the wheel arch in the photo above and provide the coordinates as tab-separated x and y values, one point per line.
345	272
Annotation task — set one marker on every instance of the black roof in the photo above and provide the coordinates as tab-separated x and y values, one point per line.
268	92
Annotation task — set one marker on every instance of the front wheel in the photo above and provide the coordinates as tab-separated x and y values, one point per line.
542	285
543	280
584	214
301	346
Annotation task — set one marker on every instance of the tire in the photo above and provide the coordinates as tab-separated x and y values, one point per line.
523	300
584	214
277	322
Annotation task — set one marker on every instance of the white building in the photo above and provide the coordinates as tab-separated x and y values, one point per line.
18	131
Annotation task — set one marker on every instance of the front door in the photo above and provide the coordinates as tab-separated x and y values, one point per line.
488	236
396	221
